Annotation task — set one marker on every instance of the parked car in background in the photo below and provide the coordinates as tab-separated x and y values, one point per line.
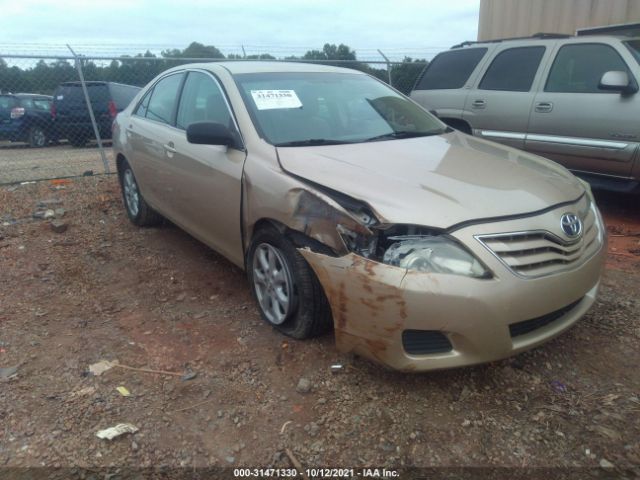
26	117
571	99
71	116
345	200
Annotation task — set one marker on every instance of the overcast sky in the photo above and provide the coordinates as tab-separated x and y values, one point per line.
411	27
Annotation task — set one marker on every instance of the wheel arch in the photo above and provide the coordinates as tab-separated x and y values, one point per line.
459	124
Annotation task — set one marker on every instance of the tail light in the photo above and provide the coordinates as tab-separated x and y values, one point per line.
53	110
113	111
17	112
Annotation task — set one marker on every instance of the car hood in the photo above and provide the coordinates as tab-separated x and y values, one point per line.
436	181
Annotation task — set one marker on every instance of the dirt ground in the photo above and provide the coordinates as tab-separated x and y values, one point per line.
158	299
19	163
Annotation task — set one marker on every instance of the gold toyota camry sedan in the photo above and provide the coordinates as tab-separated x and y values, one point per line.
350	206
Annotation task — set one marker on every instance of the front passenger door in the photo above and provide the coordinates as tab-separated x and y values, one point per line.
578	125
207	179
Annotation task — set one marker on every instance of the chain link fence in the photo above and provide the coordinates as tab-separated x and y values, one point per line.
48	130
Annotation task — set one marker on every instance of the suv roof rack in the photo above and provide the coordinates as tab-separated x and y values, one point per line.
539	35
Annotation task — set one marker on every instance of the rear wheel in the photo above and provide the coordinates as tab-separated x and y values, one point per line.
289	296
138	210
37	137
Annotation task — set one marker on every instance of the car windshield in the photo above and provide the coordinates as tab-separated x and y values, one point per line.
298	109
634	47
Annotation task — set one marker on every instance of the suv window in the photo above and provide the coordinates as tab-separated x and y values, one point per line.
42	104
450	69
202	101
7	102
122	94
163	99
578	68
634	48
513	69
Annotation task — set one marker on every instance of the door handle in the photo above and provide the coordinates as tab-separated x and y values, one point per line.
544	107
479	104
170	149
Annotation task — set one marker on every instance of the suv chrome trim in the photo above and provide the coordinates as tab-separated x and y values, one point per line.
585	142
495	133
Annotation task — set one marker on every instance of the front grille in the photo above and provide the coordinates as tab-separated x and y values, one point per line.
424	342
528	326
538	253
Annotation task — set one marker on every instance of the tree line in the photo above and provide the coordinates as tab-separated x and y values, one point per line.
44	77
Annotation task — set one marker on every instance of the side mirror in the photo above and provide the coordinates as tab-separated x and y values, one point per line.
617	81
211	133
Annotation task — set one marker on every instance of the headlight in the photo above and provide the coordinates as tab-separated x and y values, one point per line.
434	254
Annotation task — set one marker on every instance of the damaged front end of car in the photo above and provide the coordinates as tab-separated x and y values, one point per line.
373	272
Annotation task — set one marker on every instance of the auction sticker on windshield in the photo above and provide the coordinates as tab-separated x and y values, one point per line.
270	99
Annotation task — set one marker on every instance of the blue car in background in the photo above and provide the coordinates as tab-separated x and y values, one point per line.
26	117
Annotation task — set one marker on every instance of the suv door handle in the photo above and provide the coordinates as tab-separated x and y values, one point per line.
479	104
544	107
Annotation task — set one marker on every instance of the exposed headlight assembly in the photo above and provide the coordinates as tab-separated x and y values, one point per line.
435	255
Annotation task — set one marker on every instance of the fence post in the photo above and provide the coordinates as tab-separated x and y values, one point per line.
388	66
87	99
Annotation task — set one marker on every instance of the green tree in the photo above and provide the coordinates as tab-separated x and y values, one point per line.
194	50
405	74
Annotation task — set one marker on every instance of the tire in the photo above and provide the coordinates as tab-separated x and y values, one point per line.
138	210
307	313
37	138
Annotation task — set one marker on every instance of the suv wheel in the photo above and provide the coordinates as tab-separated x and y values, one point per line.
37	137
289	296
138	210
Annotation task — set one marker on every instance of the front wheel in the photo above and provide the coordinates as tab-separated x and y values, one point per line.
37	137
288	294
138	210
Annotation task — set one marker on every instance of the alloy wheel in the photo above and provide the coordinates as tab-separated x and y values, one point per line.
273	283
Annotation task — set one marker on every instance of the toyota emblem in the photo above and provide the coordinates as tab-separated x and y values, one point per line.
571	225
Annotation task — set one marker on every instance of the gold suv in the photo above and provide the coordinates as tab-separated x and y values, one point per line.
351	206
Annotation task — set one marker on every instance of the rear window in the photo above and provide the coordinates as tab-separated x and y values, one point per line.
73	93
513	69
123	94
7	102
450	69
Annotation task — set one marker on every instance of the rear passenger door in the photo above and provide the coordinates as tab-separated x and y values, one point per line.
207	179
149	133
499	105
444	85
579	125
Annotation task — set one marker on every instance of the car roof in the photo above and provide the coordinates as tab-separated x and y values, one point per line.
94	82
251	66
27	95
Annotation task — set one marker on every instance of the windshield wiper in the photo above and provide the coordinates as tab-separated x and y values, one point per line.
401	134
310	142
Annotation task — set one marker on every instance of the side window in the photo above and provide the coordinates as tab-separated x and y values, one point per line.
26	103
44	105
513	69
450	69
578	68
202	101
163	99
141	110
